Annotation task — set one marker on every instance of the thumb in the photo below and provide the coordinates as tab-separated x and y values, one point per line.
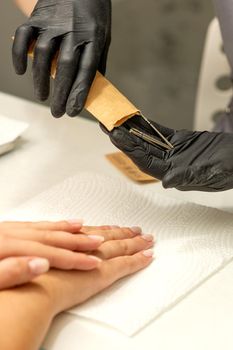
104	57
123	140
19	270
146	157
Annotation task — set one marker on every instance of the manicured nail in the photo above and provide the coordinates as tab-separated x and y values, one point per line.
38	266
75	222
96	238
148	238
148	253
92	257
136	230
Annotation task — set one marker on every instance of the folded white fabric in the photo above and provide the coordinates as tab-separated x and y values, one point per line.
193	242
10	130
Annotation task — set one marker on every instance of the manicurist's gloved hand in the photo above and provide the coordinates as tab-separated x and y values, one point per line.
200	161
80	30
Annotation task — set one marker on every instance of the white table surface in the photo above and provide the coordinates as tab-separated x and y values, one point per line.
52	150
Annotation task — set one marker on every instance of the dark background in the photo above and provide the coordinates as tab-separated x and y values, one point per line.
154	59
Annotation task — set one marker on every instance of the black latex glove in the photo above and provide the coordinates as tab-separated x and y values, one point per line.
81	29
200	161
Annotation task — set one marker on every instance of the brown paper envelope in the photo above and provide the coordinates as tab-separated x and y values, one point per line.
105	102
128	168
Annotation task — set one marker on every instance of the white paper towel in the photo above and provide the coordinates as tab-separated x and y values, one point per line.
193	242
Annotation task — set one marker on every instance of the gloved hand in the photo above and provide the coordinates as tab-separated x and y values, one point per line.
81	31
200	161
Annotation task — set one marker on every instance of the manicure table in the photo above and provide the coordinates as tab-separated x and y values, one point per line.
54	149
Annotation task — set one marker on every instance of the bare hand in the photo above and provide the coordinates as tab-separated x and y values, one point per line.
28	249
124	252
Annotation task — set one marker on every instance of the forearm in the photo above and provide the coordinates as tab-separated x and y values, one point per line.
26	6
27	311
25	316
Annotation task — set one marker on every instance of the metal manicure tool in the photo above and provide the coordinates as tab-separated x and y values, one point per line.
150	139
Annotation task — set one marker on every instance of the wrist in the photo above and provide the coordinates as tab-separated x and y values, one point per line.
48	293
30	303
57	290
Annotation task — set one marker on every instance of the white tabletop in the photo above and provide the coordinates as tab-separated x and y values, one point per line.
52	150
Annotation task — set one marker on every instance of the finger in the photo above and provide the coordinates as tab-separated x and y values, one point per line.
104	129
86	229
67	68
117	268
22	39
116	233
86	73
44	52
16	271
80	242
122	139
131	144
112	249
72	226
146	157
59	239
104	57
138	122
58	257
151	165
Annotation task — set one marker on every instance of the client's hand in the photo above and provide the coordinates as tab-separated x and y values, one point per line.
28	249
200	161
124	252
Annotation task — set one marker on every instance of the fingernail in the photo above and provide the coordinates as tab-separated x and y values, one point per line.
96	238
148	238
148	253
75	222
38	266
92	257
136	229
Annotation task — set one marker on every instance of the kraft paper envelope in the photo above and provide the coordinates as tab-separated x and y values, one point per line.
105	102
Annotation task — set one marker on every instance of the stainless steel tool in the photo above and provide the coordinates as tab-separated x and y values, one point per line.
149	138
